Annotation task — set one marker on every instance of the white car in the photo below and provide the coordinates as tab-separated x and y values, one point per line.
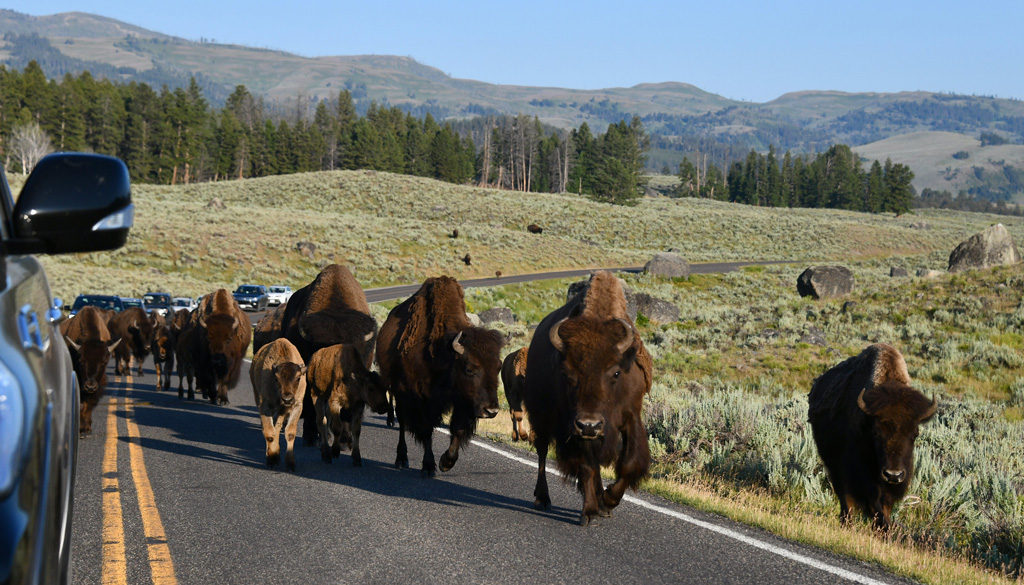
187	303
278	294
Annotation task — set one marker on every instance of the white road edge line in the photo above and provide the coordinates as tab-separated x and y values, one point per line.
727	532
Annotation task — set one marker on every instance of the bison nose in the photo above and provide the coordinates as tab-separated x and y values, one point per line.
288	398
489	412
892	476
589	428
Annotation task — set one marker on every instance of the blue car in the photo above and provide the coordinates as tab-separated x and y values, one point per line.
109	302
252	297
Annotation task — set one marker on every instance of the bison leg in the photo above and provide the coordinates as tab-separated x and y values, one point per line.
222	393
449	457
632	465
270	434
320	406
309	422
159	376
517	423
391	409
589	479
357	426
85	417
290	429
542	501
191	391
402	452
429	468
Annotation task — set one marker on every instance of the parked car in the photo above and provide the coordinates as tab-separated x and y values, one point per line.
129	302
71	202
157	302
278	294
110	302
251	297
187	303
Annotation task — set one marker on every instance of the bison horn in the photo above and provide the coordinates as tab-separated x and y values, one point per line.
931	409
76	346
369	336
111	346
626	342
556	339
458	347
860	402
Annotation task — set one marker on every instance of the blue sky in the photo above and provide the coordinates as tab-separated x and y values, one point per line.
746	50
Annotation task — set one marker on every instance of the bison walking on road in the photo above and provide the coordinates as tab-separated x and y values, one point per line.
222	333
90	344
865	416
434	361
278	377
587	372
134	328
513	378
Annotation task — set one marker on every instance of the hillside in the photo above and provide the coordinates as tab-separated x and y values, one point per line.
930	156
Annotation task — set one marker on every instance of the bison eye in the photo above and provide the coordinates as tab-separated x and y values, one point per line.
470	371
617	374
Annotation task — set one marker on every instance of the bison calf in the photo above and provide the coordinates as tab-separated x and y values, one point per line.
513	377
865	417
279	385
341	386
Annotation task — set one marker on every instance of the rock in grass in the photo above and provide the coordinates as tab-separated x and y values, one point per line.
992	247
668	265
825	282
498	314
898	272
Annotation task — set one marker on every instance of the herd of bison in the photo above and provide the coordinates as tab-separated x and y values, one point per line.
581	382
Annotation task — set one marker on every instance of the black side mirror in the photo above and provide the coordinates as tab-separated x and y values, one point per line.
73	202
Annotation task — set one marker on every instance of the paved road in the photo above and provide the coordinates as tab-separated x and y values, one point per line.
183	486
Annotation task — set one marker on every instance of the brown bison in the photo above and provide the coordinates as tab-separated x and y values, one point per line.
341	386
513	377
467	260
89	341
278	377
268	328
865	417
134	328
184	335
163	353
587	372
534	229
221	335
434	361
330	310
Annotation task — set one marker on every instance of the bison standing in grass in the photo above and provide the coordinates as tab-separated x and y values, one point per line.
341	386
278	377
434	361
587	372
865	417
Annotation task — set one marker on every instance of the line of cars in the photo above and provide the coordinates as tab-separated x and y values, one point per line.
252	297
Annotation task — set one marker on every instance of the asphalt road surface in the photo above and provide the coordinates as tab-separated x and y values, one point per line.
173	491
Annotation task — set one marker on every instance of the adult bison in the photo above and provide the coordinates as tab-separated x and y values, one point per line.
513	378
90	344
184	344
268	328
164	340
434	361
221	334
865	417
330	310
587	372
135	329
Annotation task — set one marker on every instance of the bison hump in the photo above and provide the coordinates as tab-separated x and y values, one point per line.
334	326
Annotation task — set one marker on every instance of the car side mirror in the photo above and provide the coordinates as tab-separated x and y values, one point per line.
73	202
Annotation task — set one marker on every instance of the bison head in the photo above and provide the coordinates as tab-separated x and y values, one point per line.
895	412
220	334
368	385
290	379
476	361
90	359
162	343
598	364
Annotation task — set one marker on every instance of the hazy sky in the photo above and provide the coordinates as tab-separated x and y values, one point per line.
751	50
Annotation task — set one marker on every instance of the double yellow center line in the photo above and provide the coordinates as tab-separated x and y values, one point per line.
115	562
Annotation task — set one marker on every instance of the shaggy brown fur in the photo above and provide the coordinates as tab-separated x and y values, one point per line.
90	343
330	310
219	343
430	374
134	328
340	387
587	396
865	417
268	328
278	377
513	377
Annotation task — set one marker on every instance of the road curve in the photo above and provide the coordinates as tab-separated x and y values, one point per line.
198	472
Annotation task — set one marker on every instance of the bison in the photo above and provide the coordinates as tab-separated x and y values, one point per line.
534	229
330	310
434	361
341	386
467	260
134	328
90	344
221	335
513	376
163	349
587	372
865	416
278	377
268	328
184	335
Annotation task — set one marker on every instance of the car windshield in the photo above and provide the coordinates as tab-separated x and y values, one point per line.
95	301
150	300
248	290
278	289
181	302
131	302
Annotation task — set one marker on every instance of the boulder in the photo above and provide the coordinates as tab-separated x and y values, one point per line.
498	314
474	319
992	247
814	336
668	264
655	309
898	272
825	282
307	249
216	203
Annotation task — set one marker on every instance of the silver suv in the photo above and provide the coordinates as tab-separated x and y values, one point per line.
70	203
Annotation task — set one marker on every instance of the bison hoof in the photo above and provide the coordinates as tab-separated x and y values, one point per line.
191	395
428	472
447	462
584	519
357	460
542	503
273	459
325	455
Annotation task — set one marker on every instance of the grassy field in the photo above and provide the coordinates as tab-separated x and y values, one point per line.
727	415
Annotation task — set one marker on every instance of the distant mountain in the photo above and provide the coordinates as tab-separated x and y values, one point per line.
681	118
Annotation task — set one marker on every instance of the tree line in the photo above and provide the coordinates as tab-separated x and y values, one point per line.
174	136
833	179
